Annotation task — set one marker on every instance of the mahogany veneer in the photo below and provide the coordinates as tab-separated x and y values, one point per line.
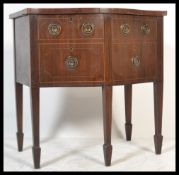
88	47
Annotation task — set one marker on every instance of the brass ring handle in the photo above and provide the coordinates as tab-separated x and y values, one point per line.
125	29
88	28
136	60
145	29
54	29
71	62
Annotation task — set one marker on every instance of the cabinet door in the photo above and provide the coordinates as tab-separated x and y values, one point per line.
71	62
133	62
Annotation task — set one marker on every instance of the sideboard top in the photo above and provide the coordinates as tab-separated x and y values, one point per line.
56	11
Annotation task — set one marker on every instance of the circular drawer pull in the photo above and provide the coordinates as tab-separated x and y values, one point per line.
54	29
88	28
71	62
125	29
145	29
136	60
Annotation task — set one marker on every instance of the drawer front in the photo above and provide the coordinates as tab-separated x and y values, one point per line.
71	62
133	61
59	27
133	28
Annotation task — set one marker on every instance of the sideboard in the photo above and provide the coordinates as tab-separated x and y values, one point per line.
88	47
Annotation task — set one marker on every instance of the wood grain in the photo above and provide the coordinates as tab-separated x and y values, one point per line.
38	11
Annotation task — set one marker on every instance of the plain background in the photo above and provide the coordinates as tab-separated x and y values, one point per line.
77	112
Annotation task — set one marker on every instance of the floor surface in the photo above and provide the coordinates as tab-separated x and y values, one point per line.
72	154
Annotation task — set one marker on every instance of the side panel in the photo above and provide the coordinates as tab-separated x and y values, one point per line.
22	50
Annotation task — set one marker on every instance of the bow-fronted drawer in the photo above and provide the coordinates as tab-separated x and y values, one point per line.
71	62
71	27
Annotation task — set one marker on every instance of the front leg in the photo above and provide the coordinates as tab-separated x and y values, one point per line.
107	118
19	115
128	110
35	126
158	104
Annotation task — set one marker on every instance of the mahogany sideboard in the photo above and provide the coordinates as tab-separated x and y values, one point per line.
88	47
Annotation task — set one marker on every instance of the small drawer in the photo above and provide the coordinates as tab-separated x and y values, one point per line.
133	28
133	61
122	28
59	27
71	62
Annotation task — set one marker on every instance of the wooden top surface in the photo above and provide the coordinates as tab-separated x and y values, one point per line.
59	11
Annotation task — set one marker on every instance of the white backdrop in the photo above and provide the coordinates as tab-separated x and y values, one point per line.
77	112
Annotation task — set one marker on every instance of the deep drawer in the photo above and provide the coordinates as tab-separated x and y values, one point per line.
71	62
134	61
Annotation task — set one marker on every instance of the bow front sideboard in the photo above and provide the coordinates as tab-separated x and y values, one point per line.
88	47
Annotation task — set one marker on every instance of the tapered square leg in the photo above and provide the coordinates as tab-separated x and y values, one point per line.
107	118
36	152
128	109
35	126
19	115
158	105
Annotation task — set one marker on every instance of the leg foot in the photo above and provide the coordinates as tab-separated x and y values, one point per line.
128	128
36	156
107	149
20	137
158	143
